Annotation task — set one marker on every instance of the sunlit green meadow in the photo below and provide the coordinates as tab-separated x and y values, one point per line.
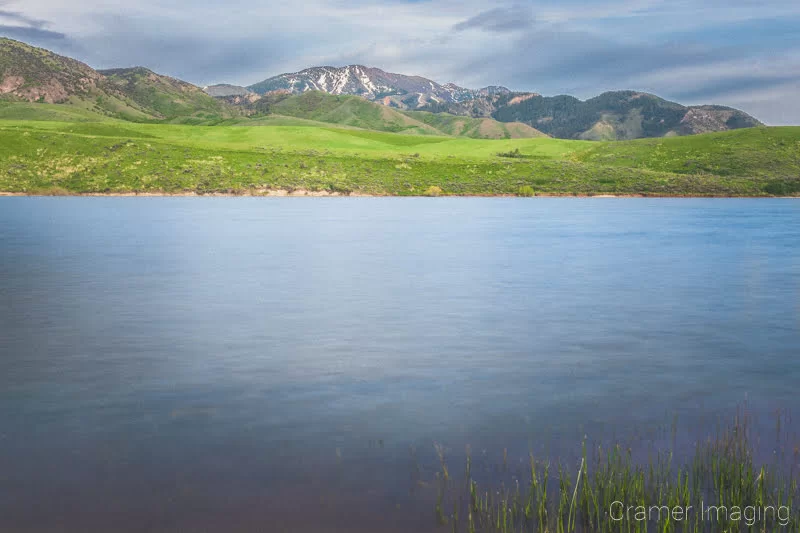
50	149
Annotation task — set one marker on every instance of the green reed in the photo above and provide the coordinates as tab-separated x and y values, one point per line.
720	488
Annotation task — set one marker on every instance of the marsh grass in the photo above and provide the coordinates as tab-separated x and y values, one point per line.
721	473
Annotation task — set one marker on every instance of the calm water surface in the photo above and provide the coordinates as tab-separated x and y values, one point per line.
232	364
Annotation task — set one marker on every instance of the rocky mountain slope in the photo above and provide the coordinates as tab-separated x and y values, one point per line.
612	115
36	75
33	74
617	115
395	90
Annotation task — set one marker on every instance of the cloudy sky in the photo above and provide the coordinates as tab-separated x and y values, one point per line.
743	53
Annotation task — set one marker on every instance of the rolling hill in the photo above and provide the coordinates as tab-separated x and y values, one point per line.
475	128
116	157
164	97
343	110
353	111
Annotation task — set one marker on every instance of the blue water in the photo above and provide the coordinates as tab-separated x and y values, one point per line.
234	364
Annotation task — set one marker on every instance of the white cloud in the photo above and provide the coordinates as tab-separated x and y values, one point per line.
679	47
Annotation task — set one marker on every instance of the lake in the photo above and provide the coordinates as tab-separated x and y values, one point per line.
287	364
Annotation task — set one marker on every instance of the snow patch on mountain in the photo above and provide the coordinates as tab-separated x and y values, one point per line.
396	90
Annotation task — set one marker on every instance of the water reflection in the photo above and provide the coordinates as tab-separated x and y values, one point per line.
228	363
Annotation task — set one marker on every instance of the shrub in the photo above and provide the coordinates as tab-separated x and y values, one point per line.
341	189
515	153
782	188
526	190
433	190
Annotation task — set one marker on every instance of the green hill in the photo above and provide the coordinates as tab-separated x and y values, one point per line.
354	111
34	75
766	153
14	110
476	128
113	156
164	97
346	111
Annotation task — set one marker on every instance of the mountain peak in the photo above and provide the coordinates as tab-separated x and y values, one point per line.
396	90
492	90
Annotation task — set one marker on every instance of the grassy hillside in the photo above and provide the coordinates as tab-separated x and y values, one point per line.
34	75
114	156
347	111
771	154
166	98
48	112
353	111
475	128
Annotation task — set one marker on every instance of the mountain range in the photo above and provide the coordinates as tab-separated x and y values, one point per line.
610	116
351	96
34	75
393	90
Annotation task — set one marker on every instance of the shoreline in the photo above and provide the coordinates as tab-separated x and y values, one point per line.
304	193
